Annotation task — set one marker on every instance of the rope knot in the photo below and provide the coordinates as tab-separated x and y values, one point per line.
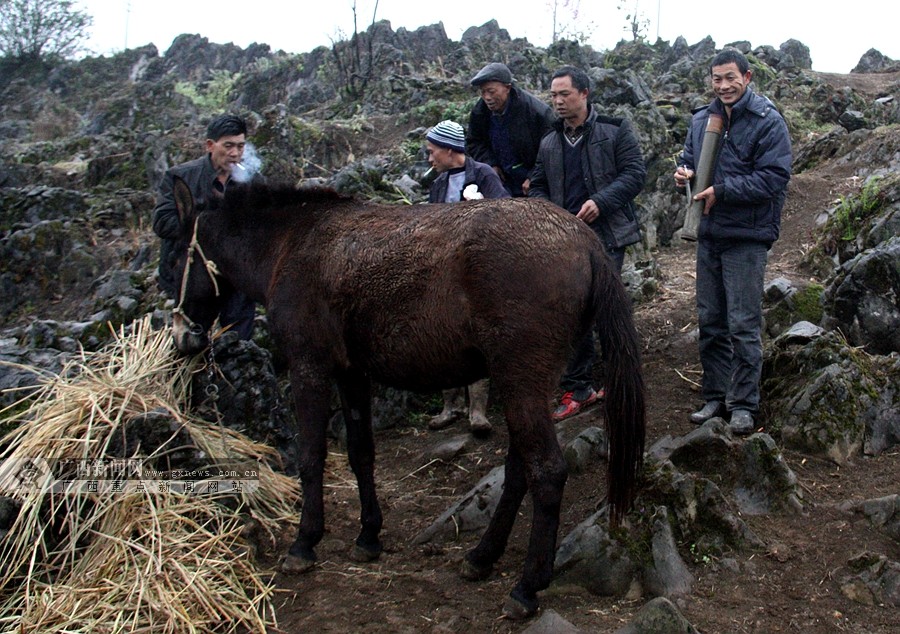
211	269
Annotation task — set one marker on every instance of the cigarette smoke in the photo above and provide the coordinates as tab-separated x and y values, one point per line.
251	164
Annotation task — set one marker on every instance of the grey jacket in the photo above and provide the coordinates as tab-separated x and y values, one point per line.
752	172
613	171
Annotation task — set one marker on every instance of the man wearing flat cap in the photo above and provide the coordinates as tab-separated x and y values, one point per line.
506	126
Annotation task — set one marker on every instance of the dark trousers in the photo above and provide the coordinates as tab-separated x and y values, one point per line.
729	308
580	371
240	311
514	179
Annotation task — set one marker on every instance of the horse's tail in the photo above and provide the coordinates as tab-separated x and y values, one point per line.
625	408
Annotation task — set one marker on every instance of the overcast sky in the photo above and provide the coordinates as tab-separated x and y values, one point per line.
836	34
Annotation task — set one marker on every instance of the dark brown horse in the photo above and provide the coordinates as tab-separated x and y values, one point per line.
423	298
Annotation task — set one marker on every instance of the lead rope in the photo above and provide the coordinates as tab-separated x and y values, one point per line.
211	269
212	396
212	390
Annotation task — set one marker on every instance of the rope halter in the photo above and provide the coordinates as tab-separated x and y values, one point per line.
211	269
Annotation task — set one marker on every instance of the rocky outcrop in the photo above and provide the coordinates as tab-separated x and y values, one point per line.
240	390
863	301
862	297
827	397
791	56
696	488
874	61
192	57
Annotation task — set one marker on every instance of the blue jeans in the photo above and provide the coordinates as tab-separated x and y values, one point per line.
729	306
579	374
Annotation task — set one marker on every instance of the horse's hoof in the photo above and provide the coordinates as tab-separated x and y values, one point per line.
515	610
361	554
294	565
471	572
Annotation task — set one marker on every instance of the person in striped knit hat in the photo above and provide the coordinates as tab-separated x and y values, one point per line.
445	144
460	177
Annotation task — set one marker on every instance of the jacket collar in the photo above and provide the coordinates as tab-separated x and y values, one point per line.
511	102
749	101
560	125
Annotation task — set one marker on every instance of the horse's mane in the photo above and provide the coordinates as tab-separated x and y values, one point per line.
266	199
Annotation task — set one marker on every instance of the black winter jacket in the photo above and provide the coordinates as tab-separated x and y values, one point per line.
613	170
198	175
531	119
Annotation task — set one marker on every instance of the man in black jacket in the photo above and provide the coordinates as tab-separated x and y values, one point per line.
506	126
207	177
592	166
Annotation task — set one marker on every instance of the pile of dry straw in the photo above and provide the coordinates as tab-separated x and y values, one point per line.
142	559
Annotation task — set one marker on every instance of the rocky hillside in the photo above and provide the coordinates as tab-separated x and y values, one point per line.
87	143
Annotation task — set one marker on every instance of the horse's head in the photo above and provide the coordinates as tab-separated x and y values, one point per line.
198	299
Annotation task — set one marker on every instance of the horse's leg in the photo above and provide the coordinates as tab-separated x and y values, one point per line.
311	406
356	402
479	562
533	437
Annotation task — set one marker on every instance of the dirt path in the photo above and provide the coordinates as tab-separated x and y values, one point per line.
873	85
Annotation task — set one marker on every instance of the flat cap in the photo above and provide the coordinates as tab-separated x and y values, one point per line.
495	71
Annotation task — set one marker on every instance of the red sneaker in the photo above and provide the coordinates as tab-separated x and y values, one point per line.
568	406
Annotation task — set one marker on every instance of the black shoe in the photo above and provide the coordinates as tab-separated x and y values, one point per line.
710	410
741	422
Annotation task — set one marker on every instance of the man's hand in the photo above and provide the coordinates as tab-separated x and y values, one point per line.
588	212
526	184
682	176
708	196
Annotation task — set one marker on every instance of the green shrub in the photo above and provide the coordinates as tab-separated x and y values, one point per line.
214	96
437	110
851	213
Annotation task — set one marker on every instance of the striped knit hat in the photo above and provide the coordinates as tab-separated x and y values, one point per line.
448	134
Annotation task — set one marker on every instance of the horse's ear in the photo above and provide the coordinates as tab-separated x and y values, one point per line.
184	200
